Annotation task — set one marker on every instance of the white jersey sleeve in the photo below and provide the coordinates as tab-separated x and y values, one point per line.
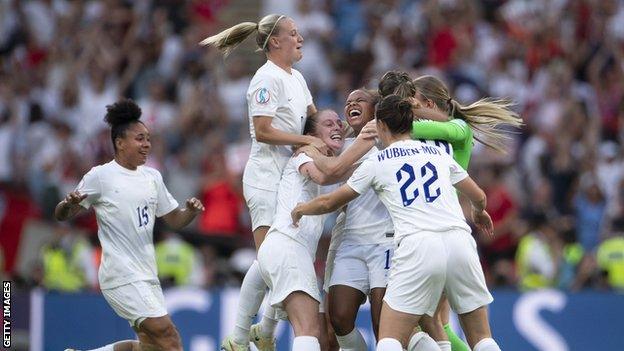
166	203
363	178
90	185
301	160
457	172
264	96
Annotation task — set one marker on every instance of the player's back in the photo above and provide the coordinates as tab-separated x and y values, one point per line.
414	180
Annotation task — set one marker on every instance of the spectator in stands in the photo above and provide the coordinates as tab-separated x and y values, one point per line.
537	255
610	256
67	262
178	262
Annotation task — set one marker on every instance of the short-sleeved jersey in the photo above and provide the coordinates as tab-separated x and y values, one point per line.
414	180
285	97
126	204
293	189
365	219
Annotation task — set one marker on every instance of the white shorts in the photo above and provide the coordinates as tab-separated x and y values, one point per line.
136	301
286	266
362	267
425	264
261	204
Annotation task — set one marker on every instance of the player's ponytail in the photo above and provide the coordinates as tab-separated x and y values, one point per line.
396	113
120	116
486	116
229	39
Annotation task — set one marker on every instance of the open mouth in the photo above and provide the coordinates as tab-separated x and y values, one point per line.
355	113
336	136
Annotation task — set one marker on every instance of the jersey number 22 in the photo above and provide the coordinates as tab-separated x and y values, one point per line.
429	171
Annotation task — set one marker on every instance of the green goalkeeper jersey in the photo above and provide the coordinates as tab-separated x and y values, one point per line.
456	131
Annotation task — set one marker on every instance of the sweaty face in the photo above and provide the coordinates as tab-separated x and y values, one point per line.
330	130
135	145
358	109
289	41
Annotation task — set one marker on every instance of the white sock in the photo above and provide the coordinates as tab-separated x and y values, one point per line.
389	344
421	341
306	343
251	295
109	347
444	345
354	341
268	322
487	344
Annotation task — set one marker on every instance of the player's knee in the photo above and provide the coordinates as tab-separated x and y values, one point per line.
342	321
166	337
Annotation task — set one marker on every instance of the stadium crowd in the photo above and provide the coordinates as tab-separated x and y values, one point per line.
556	197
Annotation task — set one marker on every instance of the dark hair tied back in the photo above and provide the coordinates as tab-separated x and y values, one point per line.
120	116
396	113
122	112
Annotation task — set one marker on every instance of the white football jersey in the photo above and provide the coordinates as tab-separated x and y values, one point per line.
365	219
126	204
273	92
293	189
414	180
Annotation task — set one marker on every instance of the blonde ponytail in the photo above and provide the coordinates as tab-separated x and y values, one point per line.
485	116
488	116
229	39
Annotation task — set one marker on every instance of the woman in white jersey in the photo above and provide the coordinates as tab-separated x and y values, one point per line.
286	258
434	248
361	246
279	103
127	198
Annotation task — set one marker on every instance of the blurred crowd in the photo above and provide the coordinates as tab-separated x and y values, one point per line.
556	197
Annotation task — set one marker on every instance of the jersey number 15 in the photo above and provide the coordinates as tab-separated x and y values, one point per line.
143	216
429	171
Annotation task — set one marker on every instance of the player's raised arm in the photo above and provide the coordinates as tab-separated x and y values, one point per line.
181	217
69	207
324	204
340	167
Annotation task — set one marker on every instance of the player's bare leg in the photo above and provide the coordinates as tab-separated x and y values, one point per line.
443	314
332	342
343	304
162	332
251	295
376	302
395	329
477	329
303	312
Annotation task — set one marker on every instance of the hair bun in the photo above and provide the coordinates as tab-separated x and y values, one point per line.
122	112
404	105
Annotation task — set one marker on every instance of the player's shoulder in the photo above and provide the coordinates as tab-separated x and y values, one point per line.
152	172
267	71
102	169
297	74
460	122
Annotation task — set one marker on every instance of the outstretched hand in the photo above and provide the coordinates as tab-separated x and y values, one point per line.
483	221
194	205
74	198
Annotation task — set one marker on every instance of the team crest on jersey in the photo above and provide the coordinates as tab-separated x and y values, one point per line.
263	96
